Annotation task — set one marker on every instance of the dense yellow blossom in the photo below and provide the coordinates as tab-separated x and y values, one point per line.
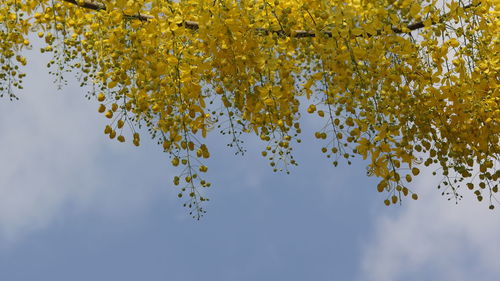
402	83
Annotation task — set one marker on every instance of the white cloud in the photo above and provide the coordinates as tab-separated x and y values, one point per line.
43	149
50	161
436	239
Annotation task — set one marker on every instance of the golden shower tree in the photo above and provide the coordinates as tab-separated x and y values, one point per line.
401	83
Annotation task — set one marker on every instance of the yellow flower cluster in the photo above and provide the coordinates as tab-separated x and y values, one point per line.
402	83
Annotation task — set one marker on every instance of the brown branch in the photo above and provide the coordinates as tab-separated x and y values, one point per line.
100	7
420	24
87	5
297	33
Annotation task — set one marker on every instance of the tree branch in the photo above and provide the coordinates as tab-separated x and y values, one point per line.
87	5
193	25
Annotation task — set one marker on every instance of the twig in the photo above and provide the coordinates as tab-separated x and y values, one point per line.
193	25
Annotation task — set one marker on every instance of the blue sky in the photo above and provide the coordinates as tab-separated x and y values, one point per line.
76	206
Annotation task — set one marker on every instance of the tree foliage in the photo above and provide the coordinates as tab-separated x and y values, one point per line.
401	83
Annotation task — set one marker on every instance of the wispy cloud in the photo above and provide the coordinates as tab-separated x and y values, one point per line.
433	239
45	156
51	162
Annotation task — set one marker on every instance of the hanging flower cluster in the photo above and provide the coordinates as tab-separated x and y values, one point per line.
401	83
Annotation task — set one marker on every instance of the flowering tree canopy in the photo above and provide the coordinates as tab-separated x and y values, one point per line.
401	83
